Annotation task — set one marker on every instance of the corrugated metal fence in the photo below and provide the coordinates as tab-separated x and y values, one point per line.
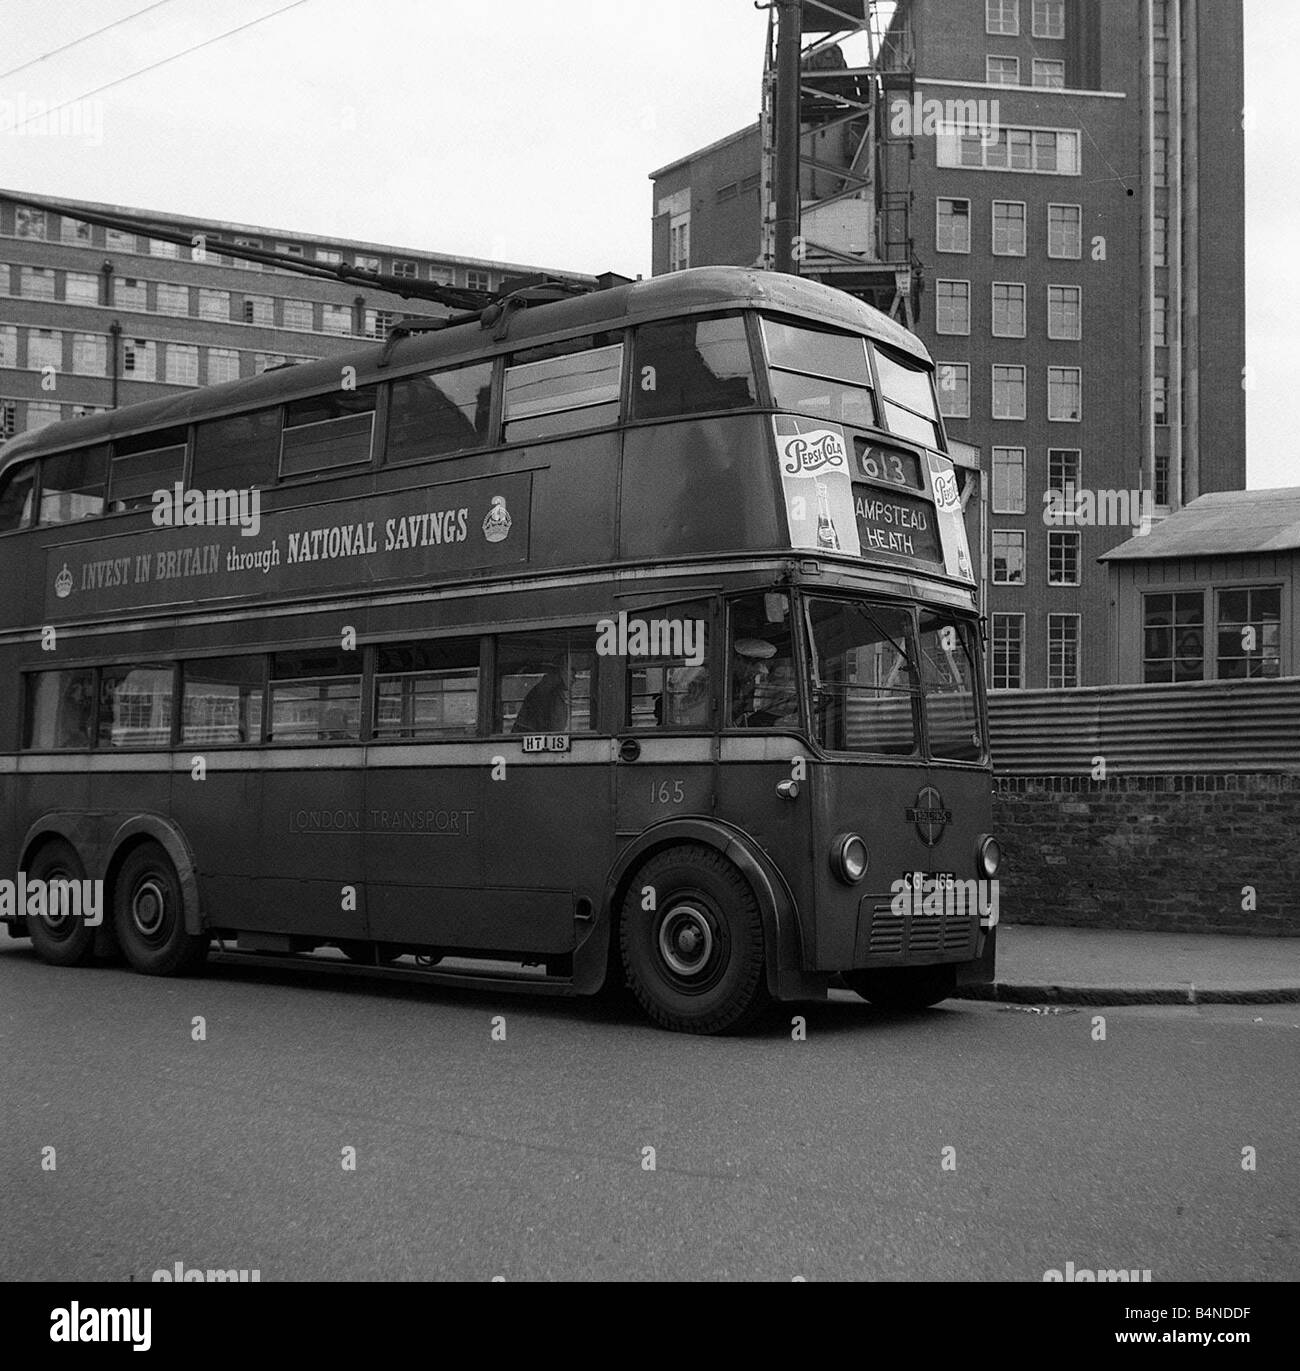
1197	726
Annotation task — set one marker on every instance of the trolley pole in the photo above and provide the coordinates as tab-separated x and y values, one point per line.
789	40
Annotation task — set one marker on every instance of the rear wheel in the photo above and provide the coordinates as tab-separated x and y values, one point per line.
63	939
149	916
695	959
907	987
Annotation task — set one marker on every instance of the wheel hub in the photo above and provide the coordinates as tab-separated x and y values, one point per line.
686	940
148	907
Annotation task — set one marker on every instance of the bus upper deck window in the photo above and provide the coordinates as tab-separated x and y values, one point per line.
439	412
230	454
329	430
691	366
16	490
907	390
563	387
821	374
142	464
72	485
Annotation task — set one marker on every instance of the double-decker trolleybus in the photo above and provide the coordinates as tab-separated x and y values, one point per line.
628	637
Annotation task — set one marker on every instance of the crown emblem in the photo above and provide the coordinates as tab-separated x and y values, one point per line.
63	583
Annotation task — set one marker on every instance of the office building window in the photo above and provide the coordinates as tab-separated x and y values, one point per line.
1009	237
182	364
1160	401
407	270
952	307
215	305
158	247
1062	558
264	361
366	263
1064	465
1065	231
1173	638
117	241
1160	321
1065	312
1062	651
1049	74
1160	160
378	322
223	365
28	222
75	233
1249	633
89	354
952	225
259	309
329	256
298	314
36	283
1008	557
1049	18
953	383
41	414
1160	87
44	349
173	299
1008	392
1002	16
8	427
336	319
1008	480
679	242
8	345
478	280
1008	652
139	359
1002	71
1008	309
1065	394
1160	240
81	288
247	243
130	294
1045	151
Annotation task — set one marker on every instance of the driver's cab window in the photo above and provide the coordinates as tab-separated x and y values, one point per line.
669	684
762	684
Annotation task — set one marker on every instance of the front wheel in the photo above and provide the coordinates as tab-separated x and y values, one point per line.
907	987
62	937
692	942
149	916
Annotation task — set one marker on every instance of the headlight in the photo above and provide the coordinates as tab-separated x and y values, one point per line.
849	858
988	856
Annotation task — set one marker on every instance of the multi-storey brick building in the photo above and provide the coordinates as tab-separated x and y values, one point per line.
1055	190
93	318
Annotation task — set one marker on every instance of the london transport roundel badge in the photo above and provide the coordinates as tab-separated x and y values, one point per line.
929	815
497	523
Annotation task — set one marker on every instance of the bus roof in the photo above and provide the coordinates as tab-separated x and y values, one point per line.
698	290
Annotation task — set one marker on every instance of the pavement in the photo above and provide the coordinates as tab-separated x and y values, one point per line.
1111	966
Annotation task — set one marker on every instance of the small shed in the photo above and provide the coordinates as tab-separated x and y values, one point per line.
1209	593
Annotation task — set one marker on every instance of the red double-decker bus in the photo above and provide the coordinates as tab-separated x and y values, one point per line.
624	638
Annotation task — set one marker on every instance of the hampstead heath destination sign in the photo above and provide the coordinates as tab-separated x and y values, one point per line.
426	533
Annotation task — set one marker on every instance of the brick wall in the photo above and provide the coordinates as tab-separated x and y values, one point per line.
1157	853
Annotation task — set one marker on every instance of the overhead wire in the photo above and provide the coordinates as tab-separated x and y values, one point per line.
85	38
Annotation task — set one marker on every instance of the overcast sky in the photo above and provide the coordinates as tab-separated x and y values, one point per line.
521	130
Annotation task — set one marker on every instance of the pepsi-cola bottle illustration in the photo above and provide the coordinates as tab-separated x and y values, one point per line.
826	536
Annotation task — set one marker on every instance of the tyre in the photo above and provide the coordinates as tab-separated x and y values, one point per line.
66	940
695	960
149	916
908	987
